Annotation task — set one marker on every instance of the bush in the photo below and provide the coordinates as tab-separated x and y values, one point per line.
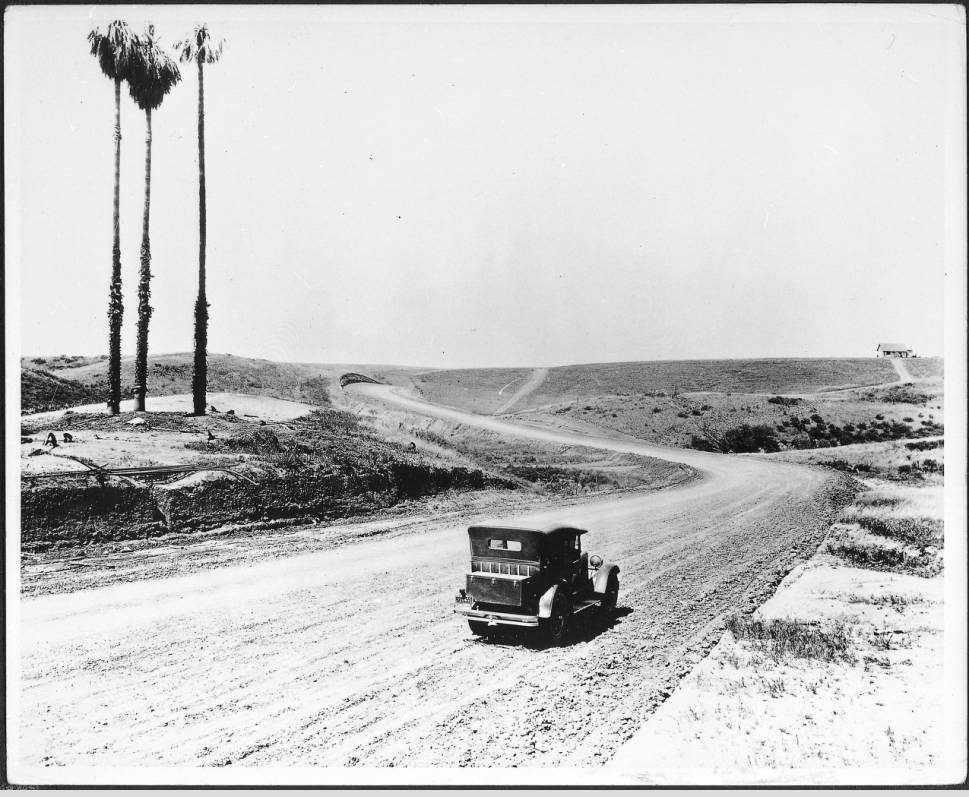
908	420
657	409
899	395
702	444
847	467
748	439
784	401
793	637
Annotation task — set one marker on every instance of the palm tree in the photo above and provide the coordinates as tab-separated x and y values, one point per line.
200	48
113	50
151	76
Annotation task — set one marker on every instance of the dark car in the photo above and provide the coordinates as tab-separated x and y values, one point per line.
538	579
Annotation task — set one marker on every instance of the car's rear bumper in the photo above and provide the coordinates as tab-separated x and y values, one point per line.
496	618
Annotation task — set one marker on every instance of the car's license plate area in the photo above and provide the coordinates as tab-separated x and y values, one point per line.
485	588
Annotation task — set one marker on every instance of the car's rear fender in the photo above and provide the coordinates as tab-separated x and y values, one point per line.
546	601
601	578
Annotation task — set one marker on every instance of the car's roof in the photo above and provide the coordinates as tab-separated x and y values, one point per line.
555	528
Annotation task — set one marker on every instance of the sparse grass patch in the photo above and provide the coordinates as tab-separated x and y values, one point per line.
781	638
890	601
875	500
874	556
915	531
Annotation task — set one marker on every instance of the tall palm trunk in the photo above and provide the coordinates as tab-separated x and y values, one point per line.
199	376
115	301
144	282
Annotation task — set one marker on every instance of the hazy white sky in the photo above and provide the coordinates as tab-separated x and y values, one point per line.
494	186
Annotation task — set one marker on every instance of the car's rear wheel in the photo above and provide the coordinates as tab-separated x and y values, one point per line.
557	625
611	596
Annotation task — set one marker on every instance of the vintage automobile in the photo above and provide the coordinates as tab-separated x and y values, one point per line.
533	578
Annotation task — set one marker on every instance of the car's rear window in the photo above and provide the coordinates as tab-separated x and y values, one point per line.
504	545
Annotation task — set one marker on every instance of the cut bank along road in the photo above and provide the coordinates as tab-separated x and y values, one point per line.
353	656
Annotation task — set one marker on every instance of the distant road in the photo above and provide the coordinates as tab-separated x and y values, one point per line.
901	369
352	656
534	380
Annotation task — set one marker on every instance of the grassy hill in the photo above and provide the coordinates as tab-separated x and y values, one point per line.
478	389
169	374
41	391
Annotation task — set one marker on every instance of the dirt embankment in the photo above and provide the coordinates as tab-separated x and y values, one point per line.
318	466
82	511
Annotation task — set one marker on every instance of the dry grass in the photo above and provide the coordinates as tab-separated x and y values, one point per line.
874	556
782	637
888	601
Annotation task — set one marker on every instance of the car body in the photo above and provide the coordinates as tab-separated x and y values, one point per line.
533	578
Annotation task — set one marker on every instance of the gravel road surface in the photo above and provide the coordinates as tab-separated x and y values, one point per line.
352	656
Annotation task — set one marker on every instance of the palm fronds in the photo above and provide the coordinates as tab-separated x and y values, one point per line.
113	48
199	47
151	73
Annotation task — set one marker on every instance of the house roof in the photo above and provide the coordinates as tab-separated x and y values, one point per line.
892	347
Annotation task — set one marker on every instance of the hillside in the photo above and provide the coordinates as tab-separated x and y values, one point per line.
41	391
171	374
478	389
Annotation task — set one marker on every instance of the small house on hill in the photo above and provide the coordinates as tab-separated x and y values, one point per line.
893	350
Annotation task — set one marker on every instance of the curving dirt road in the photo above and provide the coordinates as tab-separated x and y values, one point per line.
352	656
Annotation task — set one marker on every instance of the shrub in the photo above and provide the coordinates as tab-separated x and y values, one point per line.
697	412
879	417
847	467
899	395
793	637
784	401
817	419
908	420
657	409
702	444
682	415
747	439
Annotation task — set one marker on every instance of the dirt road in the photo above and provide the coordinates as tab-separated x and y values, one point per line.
534	380
352	656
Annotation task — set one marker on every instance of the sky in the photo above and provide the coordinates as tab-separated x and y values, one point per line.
459	187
